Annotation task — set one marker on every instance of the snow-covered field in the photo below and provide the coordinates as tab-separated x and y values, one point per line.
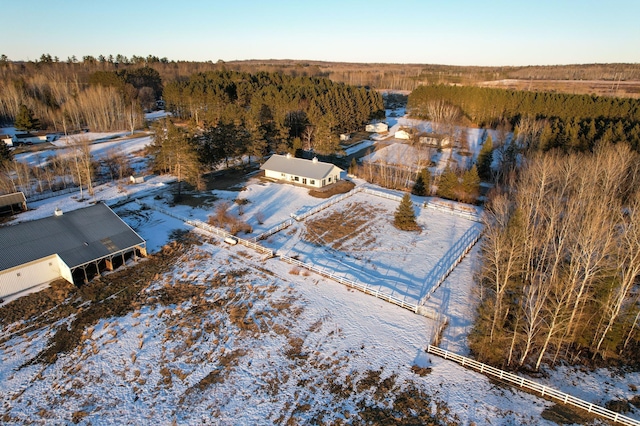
226	337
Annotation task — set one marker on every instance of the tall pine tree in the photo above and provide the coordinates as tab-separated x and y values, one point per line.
25	119
485	158
405	216
422	187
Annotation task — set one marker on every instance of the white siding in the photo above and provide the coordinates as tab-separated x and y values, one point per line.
317	183
23	277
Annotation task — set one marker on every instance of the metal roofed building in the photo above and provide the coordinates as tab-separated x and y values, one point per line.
65	246
311	173
13	202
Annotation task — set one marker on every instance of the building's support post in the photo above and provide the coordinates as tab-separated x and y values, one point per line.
84	270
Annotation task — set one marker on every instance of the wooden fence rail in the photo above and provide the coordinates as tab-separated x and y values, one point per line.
533	386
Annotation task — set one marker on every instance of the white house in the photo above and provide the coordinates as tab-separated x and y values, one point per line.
402	134
377	127
29	138
311	173
435	140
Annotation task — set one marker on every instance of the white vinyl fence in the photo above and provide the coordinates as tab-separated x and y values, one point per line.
212	229
533	386
329	203
444	267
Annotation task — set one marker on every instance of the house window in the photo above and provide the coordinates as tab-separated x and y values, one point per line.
324	182
312	182
18	273
282	174
329	179
296	178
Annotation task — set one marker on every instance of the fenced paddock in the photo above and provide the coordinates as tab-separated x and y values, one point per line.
530	385
407	291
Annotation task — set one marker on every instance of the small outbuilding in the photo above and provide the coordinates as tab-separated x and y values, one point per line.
402	134
311	173
6	139
72	246
11	203
133	179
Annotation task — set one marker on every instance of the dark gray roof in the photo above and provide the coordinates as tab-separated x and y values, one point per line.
78	237
299	167
11	199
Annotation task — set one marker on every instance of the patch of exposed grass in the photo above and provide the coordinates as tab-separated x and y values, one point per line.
340	226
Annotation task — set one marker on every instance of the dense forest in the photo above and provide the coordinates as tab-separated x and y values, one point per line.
282	109
563	120
561	261
66	93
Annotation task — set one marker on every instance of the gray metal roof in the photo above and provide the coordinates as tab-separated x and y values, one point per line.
299	167
11	199
78	237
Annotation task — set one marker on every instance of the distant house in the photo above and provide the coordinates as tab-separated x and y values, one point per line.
311	173
434	139
133	179
29	138
402	134
7	139
70	245
13	202
345	136
377	127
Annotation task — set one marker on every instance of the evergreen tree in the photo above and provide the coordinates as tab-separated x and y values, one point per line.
353	166
485	158
25	120
405	216
470	186
423	183
6	155
448	185
174	152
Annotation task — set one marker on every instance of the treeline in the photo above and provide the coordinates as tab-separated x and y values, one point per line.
567	121
63	101
561	261
288	112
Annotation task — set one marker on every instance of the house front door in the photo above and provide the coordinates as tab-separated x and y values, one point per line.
304	181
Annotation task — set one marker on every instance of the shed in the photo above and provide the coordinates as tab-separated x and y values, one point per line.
71	246
402	134
311	173
13	202
7	139
136	179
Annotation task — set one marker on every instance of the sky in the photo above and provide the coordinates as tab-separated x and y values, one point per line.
452	32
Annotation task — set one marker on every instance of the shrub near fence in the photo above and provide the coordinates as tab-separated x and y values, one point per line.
212	229
533	386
